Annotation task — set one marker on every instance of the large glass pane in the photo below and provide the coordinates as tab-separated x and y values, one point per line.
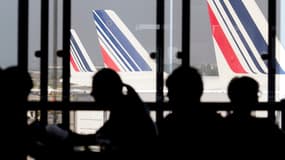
34	45
119	35
8	32
114	34
228	39
54	62
280	52
173	22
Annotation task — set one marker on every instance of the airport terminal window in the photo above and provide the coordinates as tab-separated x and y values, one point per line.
222	29
219	28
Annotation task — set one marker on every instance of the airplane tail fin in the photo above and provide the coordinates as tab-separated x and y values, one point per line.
79	59
231	40
120	49
239	31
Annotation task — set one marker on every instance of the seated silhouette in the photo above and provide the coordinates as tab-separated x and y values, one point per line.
15	88
129	128
248	135
190	129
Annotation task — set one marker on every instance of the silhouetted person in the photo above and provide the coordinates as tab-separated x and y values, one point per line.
248	135
15	88
243	94
190	130
129	128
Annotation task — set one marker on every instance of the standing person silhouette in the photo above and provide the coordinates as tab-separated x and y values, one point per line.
190	129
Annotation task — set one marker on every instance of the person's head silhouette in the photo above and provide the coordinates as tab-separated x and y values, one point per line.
243	93
20	80
184	86
107	86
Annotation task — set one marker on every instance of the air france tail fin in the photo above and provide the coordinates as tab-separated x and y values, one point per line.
79	59
239	31
120	49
